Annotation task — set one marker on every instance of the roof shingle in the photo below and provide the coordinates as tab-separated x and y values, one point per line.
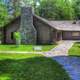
65	25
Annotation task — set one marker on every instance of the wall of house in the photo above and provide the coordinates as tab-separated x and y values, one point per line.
10	29
45	33
71	35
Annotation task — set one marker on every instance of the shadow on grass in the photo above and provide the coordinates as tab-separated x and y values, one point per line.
77	44
71	59
37	68
71	64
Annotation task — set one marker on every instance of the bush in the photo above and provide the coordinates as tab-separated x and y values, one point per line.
17	37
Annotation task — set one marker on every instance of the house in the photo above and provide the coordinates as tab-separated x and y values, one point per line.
45	32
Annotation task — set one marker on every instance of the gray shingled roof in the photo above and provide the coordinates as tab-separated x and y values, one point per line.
65	25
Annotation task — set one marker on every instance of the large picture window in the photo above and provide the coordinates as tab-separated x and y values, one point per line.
75	33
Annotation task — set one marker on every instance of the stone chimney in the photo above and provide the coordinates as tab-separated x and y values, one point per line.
27	30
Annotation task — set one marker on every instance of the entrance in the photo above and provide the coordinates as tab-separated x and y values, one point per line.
59	36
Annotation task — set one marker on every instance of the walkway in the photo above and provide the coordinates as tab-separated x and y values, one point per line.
70	64
61	49
20	52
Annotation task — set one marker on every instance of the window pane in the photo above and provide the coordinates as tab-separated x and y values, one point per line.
75	34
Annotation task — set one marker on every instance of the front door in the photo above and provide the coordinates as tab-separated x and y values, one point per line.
59	36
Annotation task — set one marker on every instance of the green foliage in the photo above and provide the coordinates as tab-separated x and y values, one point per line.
16	7
17	37
56	9
65	10
3	15
46	9
75	50
28	2
5	18
76	5
49	9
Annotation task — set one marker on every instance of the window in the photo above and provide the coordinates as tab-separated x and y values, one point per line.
75	33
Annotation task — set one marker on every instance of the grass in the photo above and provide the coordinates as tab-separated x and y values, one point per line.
75	50
30	67
25	47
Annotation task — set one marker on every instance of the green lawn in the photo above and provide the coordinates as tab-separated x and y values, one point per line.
24	47
30	67
75	50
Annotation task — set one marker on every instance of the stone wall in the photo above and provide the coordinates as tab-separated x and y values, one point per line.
27	30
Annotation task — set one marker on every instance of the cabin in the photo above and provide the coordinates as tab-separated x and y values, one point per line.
37	30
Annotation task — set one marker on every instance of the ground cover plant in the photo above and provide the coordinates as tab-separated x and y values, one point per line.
30	67
75	50
25	47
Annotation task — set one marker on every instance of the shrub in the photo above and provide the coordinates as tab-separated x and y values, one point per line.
17	37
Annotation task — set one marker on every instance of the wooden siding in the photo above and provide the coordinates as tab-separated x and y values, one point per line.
68	35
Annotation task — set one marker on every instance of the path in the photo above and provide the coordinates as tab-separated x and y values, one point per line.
20	52
61	49
70	64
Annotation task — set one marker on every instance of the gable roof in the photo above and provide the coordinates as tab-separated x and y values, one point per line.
65	25
57	25
43	20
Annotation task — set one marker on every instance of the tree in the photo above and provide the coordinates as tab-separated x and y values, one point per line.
66	10
3	15
56	9
76	6
16	7
47	9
